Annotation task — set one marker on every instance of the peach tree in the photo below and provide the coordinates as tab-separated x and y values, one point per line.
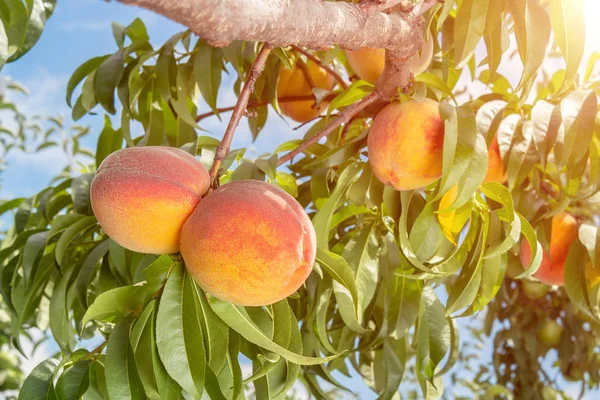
428	206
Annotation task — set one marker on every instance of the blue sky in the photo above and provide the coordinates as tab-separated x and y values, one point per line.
81	29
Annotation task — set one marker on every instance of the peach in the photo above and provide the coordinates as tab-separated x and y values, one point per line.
495	172
563	233
294	83
141	196
249	243
406	144
368	63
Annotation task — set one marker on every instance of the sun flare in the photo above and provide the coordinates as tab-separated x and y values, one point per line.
592	15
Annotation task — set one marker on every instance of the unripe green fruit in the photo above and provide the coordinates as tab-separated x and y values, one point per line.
549	333
534	290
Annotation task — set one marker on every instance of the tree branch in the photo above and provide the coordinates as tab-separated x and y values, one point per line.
262	103
345	117
238	111
329	70
315	24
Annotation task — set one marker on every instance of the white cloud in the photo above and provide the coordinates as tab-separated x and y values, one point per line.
85	26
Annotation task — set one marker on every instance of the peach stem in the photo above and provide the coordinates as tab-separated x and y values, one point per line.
238	112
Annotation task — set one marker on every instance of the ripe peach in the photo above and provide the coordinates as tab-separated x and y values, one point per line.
406	143
249	243
368	63
563	233
141	196
294	83
495	172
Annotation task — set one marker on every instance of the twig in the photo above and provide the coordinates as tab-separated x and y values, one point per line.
238	111
306	72
261	103
313	119
97	350
345	117
314	59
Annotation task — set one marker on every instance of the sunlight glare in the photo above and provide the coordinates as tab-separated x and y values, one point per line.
592	22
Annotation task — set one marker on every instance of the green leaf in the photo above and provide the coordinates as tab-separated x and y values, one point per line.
337	267
109	141
80	73
493	35
435	82
537	253
576	282
569	29
578	111
362	255
88	268
166	67
80	190
122	378
403	295
3	46
116	303
469	27
74	383
7	205
69	235
142	343
517	9
433	334
32	252
215	333
322	220
38	385
460	139
60	323
36	19
356	91
108	75
168	389
538	32
464	291
238	319
207	72
393	358
179	336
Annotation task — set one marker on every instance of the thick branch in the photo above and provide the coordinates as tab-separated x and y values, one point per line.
239	110
315	24
309	23
344	118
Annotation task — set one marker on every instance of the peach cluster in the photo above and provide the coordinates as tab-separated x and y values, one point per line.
248	242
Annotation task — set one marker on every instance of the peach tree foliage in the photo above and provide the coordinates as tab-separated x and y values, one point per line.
372	303
22	24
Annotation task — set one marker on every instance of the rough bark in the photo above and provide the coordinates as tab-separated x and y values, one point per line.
315	24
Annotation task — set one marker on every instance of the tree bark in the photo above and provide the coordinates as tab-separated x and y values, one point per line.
315	24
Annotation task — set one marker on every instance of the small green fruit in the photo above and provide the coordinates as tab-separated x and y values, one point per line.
549	333
534	290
